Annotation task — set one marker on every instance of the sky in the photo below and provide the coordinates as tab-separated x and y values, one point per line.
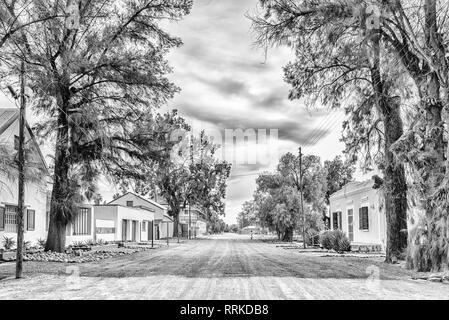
226	84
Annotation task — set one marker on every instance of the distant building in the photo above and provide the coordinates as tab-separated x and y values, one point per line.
195	217
249	229
163	223
358	210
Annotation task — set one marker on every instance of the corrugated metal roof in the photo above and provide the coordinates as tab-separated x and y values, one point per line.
353	186
7	117
10	115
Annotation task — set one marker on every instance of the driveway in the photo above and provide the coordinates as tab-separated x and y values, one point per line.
220	267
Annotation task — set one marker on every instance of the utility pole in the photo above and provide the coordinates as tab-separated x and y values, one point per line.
302	201
190	221
21	168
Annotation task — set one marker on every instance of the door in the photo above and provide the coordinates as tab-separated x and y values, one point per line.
158	235
124	230
150	230
134	238
351	224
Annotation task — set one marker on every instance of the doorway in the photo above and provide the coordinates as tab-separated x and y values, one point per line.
124	230
351	224
134	237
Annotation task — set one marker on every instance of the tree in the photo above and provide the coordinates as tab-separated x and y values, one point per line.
338	174
314	178
188	174
216	225
104	81
277	198
247	216
418	36
339	68
16	18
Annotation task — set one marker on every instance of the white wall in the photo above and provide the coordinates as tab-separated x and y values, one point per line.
99	223
163	229
35	199
201	227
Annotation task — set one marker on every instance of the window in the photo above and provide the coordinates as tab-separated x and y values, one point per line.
144	226
129	203
11	218
82	223
336	220
2	219
31	216
363	218
101	230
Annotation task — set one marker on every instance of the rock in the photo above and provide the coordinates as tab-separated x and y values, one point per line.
394	260
435	279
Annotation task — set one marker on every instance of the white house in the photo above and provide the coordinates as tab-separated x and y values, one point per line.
36	220
162	224
114	222
357	209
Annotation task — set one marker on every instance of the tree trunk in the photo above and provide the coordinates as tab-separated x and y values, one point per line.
59	211
395	183
56	236
288	235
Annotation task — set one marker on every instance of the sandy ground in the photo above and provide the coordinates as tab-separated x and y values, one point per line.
220	267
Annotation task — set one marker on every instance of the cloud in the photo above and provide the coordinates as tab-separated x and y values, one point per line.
297	130
227	84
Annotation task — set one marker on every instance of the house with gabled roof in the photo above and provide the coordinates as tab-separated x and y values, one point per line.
358	210
160	226
37	176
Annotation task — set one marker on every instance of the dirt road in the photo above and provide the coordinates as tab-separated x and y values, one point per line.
219	268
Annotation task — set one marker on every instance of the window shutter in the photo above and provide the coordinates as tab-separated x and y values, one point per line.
25	219
363	218
89	221
31	215
366	224
2	219
335	220
340	225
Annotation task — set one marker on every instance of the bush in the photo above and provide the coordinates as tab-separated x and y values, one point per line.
8	243
327	240
27	245
335	240
41	243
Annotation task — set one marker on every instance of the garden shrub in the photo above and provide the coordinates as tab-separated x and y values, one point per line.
326	240
8	243
41	243
335	240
